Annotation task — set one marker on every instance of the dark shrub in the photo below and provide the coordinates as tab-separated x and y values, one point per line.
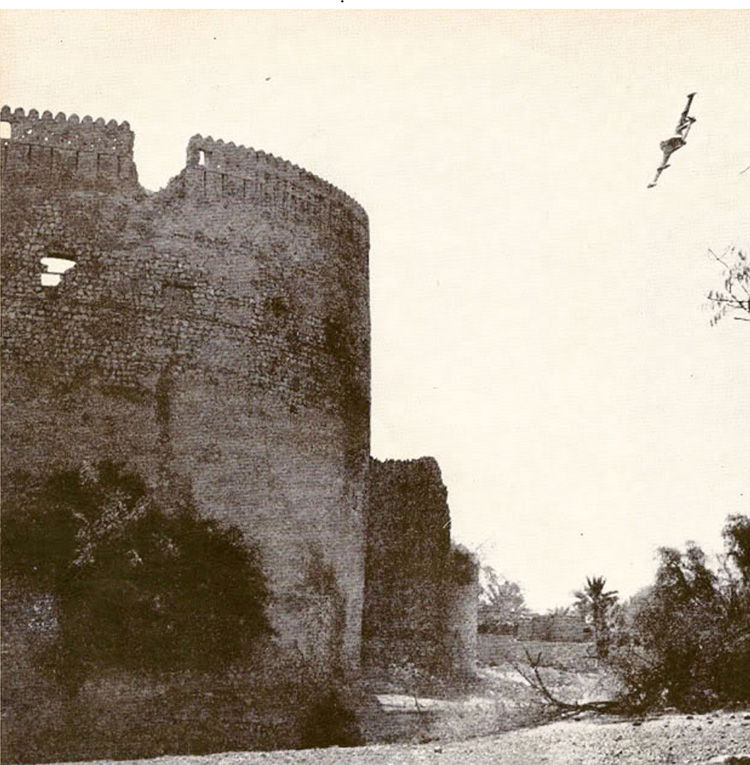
331	721
138	587
689	643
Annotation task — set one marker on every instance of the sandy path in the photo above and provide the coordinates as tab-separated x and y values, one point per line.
667	740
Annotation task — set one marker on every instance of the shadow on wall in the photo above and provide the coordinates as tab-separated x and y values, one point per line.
95	581
275	703
420	591
268	698
317	609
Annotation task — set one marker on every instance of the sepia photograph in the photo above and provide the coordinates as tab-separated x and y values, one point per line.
375	386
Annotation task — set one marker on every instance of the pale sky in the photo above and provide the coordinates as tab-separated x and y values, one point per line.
537	313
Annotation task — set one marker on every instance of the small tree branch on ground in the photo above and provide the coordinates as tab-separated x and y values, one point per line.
535	680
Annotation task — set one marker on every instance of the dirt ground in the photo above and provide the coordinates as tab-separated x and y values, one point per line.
666	740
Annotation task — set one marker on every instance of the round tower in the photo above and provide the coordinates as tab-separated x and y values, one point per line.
214	335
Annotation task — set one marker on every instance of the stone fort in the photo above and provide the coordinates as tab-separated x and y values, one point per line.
215	336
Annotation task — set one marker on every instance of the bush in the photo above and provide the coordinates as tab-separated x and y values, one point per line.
331	721
137	586
689	640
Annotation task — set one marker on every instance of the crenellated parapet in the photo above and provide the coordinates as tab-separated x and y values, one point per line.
85	151
86	134
217	170
214	333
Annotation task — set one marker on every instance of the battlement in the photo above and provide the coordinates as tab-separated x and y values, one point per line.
216	169
85	151
85	134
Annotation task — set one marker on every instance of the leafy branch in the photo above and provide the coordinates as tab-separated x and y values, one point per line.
734	295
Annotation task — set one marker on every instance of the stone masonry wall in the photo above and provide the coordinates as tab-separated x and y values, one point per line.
216	342
565	628
214	336
47	149
420	592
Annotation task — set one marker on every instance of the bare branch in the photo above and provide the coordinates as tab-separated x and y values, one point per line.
734	294
733	301
713	254
536	682
677	141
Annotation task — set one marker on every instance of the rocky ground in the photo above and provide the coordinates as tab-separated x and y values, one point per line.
590	740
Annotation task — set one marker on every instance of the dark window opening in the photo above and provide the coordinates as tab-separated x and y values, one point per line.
279	306
178	293
335	338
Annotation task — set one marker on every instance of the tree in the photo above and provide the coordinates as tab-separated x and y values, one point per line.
596	605
736	535
734	295
138	587
502	603
558	611
690	634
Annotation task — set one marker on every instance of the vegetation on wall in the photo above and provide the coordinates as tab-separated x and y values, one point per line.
137	586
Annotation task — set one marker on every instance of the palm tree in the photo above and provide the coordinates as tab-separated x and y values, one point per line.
595	605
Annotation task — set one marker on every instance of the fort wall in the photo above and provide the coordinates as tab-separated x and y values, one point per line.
217	344
215	169
420	591
87	152
559	628
215	337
